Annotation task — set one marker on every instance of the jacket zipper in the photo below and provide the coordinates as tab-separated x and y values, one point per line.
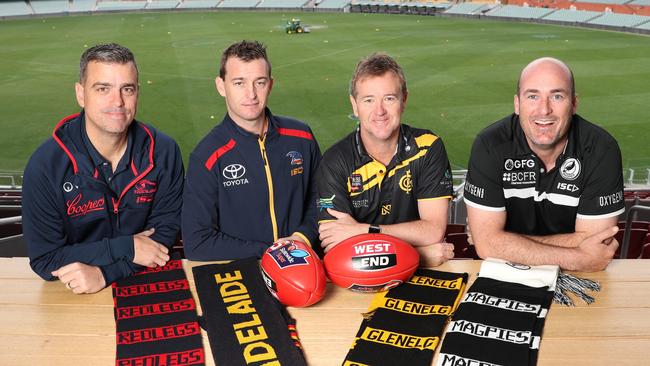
269	180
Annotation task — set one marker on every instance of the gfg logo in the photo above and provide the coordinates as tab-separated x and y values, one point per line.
511	164
234	171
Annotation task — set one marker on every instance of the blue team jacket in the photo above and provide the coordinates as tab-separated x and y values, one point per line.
243	192
70	214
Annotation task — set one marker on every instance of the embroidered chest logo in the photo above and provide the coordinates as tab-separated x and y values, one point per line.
77	208
325	203
406	183
296	162
144	191
385	209
234	174
356	183
570	169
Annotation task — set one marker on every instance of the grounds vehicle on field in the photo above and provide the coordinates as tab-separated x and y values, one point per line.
295	26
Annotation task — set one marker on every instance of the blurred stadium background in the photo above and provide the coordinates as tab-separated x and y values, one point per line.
461	61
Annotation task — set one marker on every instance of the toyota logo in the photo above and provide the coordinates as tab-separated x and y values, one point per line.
234	171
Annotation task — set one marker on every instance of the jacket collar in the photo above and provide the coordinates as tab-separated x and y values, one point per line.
70	133
270	132
406	146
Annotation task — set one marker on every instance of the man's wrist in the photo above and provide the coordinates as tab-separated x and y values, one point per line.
374	229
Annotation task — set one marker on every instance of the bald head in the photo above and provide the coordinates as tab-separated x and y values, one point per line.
545	65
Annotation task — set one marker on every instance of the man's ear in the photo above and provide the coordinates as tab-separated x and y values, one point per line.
354	105
516	103
221	86
79	92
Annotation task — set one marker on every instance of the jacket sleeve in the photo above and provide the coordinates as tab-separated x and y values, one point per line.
332	180
45	234
202	239
309	226
165	214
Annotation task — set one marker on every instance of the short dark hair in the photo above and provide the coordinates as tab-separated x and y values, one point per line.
377	64
108	53
246	51
572	80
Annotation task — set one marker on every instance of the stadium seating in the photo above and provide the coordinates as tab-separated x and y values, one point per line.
14	8
611	2
162	4
637	240
573	16
238	3
466	8
645	252
462	248
332	4
645	25
619	20
50	6
455	229
120	5
198	4
281	3
635	225
511	11
82	5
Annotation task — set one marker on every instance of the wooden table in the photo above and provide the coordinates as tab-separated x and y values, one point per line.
42	323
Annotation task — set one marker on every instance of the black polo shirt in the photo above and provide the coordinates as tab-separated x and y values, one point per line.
351	181
505	174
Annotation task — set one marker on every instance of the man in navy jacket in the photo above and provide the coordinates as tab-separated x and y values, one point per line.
101	197
250	181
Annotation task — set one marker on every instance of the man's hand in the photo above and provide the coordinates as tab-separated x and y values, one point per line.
81	278
292	237
596	251
433	255
334	232
148	252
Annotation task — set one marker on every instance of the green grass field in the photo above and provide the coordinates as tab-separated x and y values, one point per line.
461	73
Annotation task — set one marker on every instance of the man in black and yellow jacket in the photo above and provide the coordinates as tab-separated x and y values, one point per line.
250	181
386	176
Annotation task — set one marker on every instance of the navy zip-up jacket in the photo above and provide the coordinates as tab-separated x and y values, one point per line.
72	214
243	192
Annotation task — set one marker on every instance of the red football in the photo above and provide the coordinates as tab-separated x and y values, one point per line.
371	262
293	273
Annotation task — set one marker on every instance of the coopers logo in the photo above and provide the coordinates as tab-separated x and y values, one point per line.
77	208
234	173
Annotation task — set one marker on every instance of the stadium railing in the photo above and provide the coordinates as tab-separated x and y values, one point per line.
625	245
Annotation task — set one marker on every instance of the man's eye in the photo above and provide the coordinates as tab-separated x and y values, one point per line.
390	99
558	97
532	97
129	90
261	83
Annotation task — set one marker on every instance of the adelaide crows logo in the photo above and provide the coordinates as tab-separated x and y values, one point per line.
296	157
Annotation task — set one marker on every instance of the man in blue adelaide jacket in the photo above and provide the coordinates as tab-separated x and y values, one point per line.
250	181
102	196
